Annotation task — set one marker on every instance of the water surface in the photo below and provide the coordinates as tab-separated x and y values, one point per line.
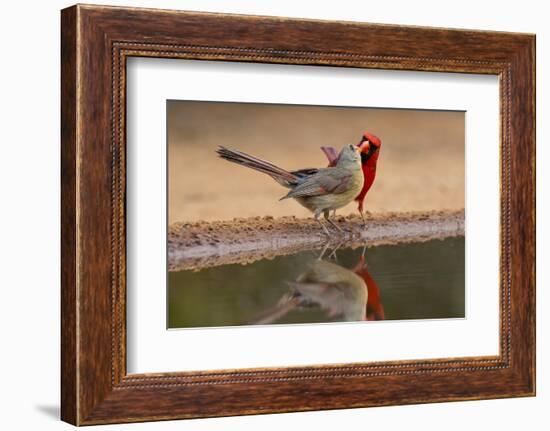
407	281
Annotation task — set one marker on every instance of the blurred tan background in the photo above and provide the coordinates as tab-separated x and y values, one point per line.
421	164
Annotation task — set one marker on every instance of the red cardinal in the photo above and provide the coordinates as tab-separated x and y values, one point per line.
375	310
370	149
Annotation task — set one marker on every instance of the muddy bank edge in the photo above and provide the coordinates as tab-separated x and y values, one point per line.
197	245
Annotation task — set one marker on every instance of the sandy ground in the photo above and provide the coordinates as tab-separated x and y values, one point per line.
197	245
421	166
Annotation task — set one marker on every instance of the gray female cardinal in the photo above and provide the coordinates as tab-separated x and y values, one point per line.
319	190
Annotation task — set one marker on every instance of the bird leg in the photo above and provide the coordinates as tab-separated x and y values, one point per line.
364	251
326	215
363	216
333	253
325	248
361	262
316	216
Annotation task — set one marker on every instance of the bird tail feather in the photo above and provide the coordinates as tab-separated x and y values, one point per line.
286	304
282	176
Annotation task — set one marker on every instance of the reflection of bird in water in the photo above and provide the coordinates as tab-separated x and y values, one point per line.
319	190
375	310
332	288
326	285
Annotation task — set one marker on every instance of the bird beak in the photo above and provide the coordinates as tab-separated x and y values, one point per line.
364	146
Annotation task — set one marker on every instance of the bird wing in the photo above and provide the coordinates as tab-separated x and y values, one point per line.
325	181
335	298
332	155
304	173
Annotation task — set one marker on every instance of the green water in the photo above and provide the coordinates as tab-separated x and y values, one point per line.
415	281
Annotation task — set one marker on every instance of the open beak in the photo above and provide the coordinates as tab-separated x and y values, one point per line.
363	147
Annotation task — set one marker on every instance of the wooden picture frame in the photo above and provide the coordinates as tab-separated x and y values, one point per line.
95	43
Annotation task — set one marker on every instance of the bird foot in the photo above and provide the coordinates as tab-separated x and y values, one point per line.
351	232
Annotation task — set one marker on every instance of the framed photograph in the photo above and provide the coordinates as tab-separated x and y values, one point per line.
263	214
